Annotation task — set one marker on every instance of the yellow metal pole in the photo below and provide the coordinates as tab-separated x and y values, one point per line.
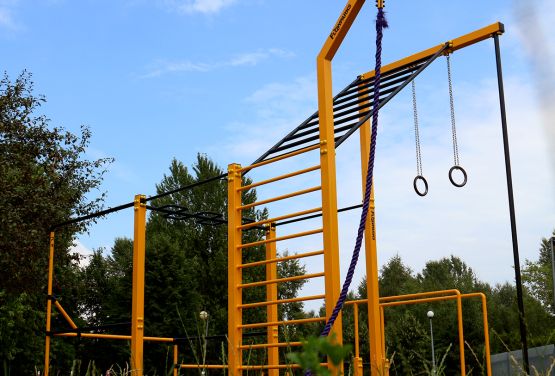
49	305
272	295
377	352
175	359
235	278
461	334
138	297
327	160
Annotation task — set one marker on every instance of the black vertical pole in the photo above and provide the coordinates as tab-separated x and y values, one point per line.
518	279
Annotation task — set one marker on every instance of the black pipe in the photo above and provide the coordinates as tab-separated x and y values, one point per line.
93	215
315	215
518	279
219	177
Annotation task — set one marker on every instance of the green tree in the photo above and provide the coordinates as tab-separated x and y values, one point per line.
538	276
45	179
186	271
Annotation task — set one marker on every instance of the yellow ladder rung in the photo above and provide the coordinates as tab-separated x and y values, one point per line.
269	345
281	177
281	157
281	259
206	366
281	238
280	280
280	218
279	198
278	323
282	301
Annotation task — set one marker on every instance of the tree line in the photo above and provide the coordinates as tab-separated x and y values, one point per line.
45	179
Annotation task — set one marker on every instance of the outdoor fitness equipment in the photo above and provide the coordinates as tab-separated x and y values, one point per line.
419	174
456	162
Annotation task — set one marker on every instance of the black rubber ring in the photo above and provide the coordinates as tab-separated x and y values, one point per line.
453	180
420	177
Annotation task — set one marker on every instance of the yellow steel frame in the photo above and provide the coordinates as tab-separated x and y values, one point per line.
428	297
330	251
379	362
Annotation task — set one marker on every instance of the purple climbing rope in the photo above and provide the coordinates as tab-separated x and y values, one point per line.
381	23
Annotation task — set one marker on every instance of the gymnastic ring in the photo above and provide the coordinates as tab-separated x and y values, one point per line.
420	177
453	180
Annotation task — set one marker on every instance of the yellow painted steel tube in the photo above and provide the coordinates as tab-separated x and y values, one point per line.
282	259
287	322
281	177
280	218
280	280
282	197
65	315
328	162
267	345
123	337
420	294
355	316
281	238
454	45
138	293
377	352
382	323
282	301
281	366
205	366
234	273
272	295
482	296
279	158
175	359
49	305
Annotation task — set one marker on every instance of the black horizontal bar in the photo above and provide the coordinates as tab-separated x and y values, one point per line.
93	215
193	185
272	150
316	215
393	94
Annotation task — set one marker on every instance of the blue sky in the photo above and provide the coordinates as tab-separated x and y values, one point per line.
161	79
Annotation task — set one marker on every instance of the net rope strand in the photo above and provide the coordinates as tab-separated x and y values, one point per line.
381	23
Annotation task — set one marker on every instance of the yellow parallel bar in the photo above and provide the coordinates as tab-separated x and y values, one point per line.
287	322
271	295
281	238
206	366
280	280
420	294
455	44
114	336
279	198
234	274
282	301
355	316
280	218
486	327
281	259
267	345
49	305
281	157
281	177
65	315
138	297
281	366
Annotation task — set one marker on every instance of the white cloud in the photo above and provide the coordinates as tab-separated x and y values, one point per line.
199	6
6	19
84	252
162	67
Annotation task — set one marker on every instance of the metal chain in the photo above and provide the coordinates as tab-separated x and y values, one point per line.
452	105
416	132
